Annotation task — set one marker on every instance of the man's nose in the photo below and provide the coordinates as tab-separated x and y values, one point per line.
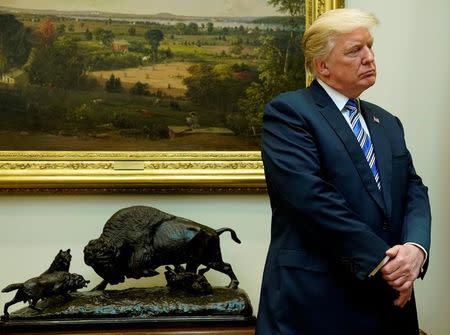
368	56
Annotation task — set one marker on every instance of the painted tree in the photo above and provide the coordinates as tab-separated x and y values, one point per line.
140	89
59	64
192	28
113	84
106	37
15	42
46	32
271	80
88	35
3	63
280	69
61	28
210	27
98	33
295	9
181	28
132	31
154	37
216	87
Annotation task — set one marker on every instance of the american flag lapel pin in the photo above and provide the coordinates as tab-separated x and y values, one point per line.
377	120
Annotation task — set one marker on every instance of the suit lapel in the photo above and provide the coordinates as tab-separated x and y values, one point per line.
337	121
383	153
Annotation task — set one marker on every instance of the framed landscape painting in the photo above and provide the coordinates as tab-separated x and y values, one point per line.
163	95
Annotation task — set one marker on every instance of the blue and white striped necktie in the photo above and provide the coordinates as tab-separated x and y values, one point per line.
363	138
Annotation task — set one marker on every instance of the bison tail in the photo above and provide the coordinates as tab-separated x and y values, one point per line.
233	234
12	287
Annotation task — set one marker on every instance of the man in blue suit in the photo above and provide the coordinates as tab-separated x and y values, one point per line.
350	217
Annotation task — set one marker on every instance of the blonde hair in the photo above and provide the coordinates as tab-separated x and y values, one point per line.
318	40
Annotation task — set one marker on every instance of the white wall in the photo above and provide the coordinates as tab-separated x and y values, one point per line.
413	50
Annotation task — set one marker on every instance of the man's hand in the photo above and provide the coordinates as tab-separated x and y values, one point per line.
404	296
402	270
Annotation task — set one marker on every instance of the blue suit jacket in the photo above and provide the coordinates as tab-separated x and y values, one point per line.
331	225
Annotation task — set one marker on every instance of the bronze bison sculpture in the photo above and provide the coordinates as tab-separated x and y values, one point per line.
137	240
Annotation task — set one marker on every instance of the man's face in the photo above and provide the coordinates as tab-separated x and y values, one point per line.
350	66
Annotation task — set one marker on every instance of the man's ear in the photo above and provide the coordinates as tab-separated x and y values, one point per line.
321	68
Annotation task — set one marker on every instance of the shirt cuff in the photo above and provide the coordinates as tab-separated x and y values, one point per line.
379	266
424	252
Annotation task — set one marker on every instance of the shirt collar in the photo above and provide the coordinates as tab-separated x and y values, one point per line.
339	99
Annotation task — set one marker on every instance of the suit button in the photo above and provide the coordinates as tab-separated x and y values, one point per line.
385	226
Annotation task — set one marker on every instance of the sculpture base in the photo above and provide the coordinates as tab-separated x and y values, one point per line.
149	307
157	324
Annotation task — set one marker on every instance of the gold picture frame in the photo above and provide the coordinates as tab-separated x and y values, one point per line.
164	171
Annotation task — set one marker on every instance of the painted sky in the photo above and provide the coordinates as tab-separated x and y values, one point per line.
179	7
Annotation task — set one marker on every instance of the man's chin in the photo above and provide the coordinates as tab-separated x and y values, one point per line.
368	81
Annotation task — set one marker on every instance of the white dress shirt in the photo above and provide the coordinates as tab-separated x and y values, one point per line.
340	101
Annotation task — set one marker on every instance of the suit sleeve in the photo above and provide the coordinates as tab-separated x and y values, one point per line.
417	219
294	175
